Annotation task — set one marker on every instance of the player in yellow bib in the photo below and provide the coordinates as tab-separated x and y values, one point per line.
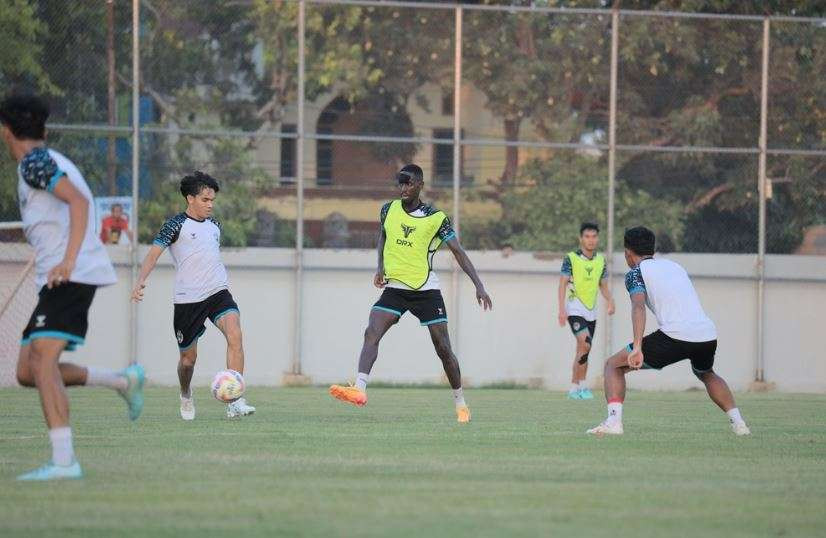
581	279
411	233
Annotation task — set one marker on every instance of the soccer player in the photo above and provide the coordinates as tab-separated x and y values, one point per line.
686	332
201	286
411	233
70	264
581	277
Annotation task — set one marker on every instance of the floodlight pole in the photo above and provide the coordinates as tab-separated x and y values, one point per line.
133	250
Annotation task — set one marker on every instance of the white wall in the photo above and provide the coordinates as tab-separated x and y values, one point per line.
518	341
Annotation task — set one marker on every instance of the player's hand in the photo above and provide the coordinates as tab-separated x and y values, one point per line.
483	299
379	281
60	273
137	292
635	359
611	307
562	318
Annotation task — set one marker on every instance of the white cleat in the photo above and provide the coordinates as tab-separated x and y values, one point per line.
239	408
606	428
740	428
187	408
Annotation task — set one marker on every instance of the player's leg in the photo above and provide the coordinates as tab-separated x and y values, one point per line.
584	392
441	343
188	325
42	358
229	323
702	364
379	322
614	373
580	363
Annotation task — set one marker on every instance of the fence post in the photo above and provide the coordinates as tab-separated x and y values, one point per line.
761	187
457	170
133	249
612	155
295	377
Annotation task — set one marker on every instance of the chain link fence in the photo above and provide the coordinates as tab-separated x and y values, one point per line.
304	111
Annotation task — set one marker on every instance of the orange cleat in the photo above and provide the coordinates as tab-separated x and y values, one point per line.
462	414
349	394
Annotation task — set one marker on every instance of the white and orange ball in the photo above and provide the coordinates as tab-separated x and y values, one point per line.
228	386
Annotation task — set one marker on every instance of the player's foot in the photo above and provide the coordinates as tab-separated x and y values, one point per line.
133	394
606	428
349	394
740	428
462	414
187	408
50	471
574	394
586	394
239	408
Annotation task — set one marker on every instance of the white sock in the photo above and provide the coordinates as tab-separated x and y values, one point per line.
62	452
459	397
187	396
615	412
103	377
361	381
574	387
734	415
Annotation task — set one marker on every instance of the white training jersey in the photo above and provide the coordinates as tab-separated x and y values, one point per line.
195	249
46	219
672	298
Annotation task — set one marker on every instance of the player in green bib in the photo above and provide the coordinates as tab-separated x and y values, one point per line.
411	233
582	278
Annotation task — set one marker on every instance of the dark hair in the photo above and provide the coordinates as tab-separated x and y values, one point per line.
113	206
194	183
25	116
588	226
414	170
640	240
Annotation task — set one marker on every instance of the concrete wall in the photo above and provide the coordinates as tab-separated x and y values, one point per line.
518	341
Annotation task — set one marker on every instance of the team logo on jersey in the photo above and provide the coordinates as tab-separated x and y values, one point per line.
408	230
193	235
180	336
40	321
589	270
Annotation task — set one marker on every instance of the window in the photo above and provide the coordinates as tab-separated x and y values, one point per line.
443	159
324	158
288	155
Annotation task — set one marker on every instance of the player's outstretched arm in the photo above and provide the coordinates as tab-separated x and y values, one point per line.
78	219
378	279
606	292
635	359
562	316
464	262
148	264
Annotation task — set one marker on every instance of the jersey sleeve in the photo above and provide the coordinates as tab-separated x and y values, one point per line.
566	269
169	232
446	231
39	170
604	274
385	209
633	281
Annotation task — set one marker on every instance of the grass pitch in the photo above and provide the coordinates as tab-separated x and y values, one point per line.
305	465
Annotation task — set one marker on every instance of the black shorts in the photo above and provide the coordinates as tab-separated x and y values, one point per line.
428	305
579	324
61	312
660	350
190	318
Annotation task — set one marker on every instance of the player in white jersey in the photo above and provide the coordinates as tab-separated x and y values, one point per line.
70	264
201	286
685	332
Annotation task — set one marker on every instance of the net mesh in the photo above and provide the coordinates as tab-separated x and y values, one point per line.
18	296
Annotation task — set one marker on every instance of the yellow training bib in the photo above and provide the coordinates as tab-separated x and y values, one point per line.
409	245
586	275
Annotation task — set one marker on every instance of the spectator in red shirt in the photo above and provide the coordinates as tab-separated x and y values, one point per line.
114	225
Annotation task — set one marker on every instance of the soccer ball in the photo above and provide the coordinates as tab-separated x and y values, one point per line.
228	386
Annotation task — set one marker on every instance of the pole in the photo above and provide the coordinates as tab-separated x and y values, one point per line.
612	169
299	225
761	187
111	157
457	170
133	250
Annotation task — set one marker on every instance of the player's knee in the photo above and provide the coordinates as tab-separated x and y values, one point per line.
24	374
188	360
372	335
443	349
706	376
583	359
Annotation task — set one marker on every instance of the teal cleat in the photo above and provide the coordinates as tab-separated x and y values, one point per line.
133	394
574	395
586	394
50	471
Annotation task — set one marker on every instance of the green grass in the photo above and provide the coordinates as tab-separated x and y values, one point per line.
305	465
